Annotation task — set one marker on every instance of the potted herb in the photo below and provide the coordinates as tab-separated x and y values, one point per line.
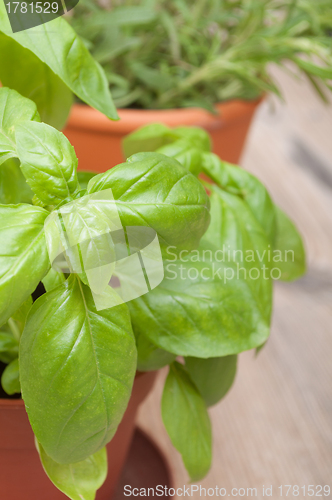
73	352
206	64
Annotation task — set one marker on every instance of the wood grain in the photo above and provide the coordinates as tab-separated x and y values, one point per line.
275	426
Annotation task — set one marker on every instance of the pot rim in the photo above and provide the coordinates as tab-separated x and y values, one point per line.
84	117
14	404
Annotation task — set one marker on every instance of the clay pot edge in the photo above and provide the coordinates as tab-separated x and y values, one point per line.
84	117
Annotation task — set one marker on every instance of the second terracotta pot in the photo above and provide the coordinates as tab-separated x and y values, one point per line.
21	473
97	140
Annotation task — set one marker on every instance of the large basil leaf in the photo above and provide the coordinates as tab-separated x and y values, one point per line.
187	422
87	222
201	309
77	370
183	151
10	379
289	253
152	137
237	181
281	232
53	279
21	70
197	136
48	161
234	229
20	316
14	109
8	347
156	191
57	45
24	259
148	138
13	186
213	377
185	144
217	301
84	177
149	356
78	481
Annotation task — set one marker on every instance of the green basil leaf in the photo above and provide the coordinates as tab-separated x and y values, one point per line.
13	186
14	109
148	138
84	177
217	300
8	347
196	136
213	377
155	136
156	191
10	379
24	259
187	422
149	356
77	371
37	202
22	312
21	70
289	249
235	180
53	279
48	161
79	481
234	229
57	45
90	225
201	308
189	156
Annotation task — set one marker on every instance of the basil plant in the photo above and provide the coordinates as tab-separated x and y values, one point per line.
72	351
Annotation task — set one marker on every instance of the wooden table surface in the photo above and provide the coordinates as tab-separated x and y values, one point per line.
275	426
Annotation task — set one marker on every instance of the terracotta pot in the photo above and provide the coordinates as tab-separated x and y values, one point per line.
97	140
21	474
